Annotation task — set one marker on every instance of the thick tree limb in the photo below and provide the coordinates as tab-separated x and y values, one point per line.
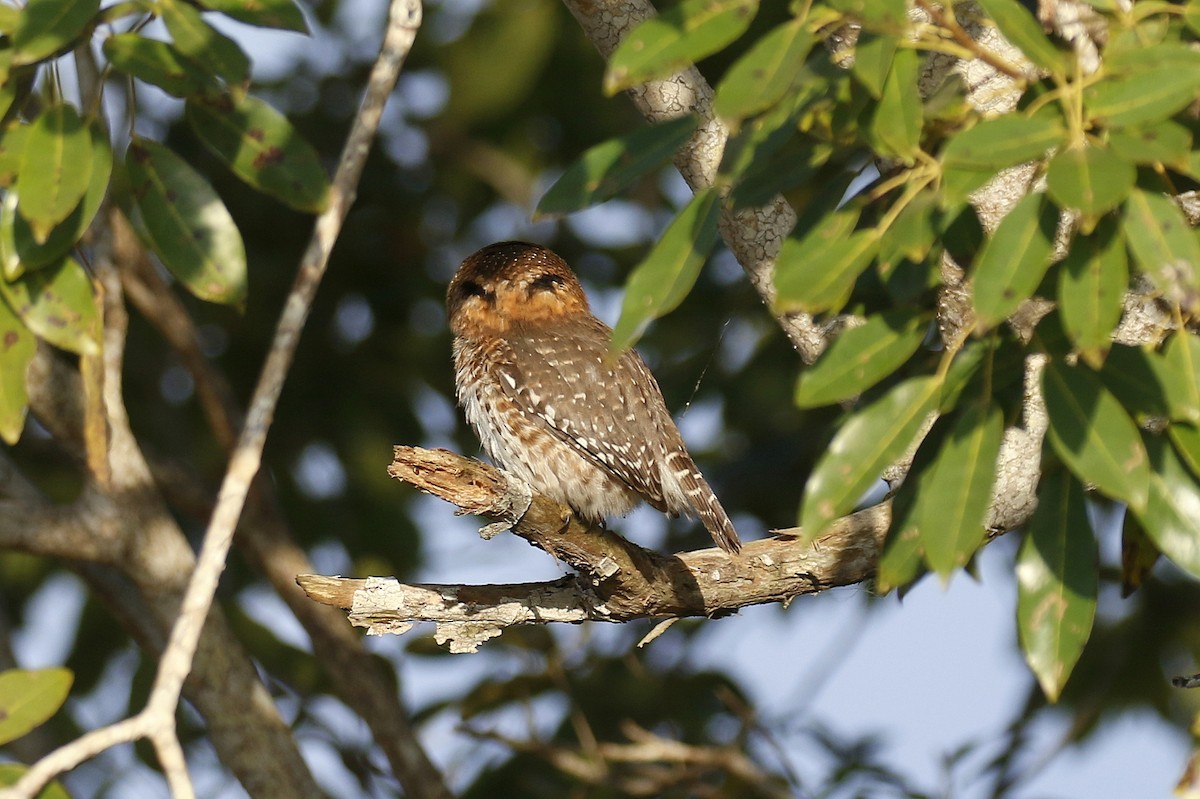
617	581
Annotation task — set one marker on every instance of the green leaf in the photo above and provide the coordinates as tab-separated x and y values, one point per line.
679	36
953	494
49	27
611	167
203	43
959	183
823	283
57	304
186	224
1003	142
1092	180
964	368
1091	290
1159	237
12	152
17	348
19	248
896	124
793	165
282	14
869	441
55	168
1094	435
761	77
877	14
262	148
1014	259
660	282
1172	516
816	271
761	137
913	233
1180	376
873	55
1025	32
1138	555
1186	438
1142	96
901	560
1166	142
158	63
861	357
1133	375
1056	582
11	772
1191	15
29	698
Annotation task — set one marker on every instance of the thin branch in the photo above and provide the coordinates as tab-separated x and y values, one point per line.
157	718
948	23
264	539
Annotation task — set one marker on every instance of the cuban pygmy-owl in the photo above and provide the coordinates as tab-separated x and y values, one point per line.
553	406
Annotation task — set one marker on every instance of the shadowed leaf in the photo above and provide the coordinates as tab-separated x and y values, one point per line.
186	224
660	282
1094	435
861	357
1056	582
58	305
283	14
679	36
613	166
1014	259
56	166
867	443
1091	290
262	148
48	27
17	347
1171	518
762	76
29	698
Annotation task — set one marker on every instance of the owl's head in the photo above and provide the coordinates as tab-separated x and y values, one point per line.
509	284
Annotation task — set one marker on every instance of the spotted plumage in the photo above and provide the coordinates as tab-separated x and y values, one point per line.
551	405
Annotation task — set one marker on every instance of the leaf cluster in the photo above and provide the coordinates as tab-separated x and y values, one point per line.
58	168
881	163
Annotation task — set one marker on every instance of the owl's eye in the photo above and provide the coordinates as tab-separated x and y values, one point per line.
547	282
469	288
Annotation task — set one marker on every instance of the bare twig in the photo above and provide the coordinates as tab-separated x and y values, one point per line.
263	537
157	719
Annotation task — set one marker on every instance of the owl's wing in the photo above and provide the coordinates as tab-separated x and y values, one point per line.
608	410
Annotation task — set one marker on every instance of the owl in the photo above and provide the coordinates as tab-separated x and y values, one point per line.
553	406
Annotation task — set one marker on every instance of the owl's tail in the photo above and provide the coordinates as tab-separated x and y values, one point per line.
709	509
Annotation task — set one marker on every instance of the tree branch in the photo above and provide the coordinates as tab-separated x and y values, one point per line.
157	719
618	581
265	540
